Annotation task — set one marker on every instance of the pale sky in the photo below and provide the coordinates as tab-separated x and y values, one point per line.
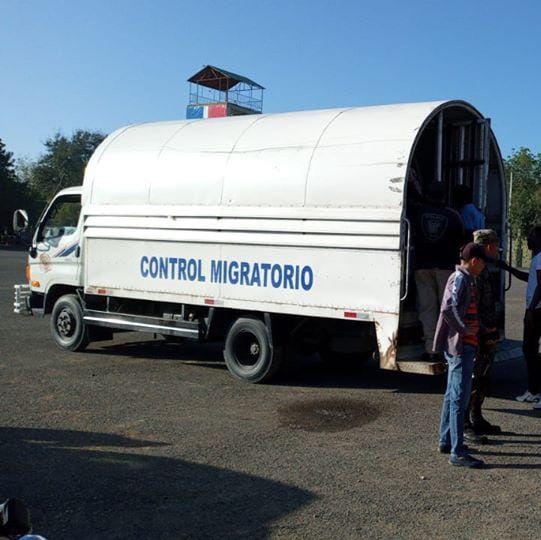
100	65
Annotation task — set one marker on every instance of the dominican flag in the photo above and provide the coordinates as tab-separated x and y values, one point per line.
217	110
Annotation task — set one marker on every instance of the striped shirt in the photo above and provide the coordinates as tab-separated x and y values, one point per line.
471	320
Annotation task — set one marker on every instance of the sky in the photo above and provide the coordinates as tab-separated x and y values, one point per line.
67	65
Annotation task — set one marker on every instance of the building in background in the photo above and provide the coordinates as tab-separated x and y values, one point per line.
215	92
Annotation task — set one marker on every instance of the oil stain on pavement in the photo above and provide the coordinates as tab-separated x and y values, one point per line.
327	415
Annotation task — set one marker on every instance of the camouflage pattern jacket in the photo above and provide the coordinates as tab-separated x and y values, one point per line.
487	300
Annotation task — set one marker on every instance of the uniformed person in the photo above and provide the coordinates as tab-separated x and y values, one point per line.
476	425
438	234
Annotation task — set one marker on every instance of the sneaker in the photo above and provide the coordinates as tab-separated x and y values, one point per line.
528	397
484	427
537	406
475	438
465	460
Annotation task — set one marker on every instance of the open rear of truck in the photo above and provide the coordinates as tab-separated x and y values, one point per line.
456	147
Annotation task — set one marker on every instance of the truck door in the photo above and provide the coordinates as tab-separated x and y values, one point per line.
57	244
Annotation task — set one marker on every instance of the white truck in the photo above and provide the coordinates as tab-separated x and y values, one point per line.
264	231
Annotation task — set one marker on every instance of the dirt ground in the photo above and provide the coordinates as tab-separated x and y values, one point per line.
138	439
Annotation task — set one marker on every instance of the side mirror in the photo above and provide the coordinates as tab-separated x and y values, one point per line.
20	220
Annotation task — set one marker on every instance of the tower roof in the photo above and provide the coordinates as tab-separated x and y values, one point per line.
220	79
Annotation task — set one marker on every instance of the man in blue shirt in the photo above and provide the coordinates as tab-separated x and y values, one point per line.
472	217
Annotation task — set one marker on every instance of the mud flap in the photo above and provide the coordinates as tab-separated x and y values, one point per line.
386	334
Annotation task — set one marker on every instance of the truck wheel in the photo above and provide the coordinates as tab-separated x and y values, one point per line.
248	352
67	325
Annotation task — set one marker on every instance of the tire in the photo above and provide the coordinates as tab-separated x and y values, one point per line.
248	352
68	328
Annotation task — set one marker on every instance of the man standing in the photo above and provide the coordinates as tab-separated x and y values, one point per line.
438	234
532	322
532	318
475	424
457	336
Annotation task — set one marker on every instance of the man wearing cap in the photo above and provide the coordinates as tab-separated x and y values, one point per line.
475	424
457	337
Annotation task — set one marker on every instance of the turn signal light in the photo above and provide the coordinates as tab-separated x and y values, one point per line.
27	273
34	283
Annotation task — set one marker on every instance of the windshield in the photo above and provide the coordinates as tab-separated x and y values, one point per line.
61	220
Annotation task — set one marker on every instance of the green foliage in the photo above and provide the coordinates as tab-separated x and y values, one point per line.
525	193
525	170
63	163
11	192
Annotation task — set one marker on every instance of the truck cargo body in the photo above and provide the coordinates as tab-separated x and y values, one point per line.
296	220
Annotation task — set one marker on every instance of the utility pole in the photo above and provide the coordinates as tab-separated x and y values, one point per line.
518	234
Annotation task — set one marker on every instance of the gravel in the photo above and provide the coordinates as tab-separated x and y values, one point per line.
136	438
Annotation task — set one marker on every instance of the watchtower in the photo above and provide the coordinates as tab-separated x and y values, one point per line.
215	92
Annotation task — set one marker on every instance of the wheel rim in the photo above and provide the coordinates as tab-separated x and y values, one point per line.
65	324
247	350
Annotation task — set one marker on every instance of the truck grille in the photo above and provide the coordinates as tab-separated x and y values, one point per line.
22	300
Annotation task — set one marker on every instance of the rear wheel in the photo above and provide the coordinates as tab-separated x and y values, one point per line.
248	352
68	328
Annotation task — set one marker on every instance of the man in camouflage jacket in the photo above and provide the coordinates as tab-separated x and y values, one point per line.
475	425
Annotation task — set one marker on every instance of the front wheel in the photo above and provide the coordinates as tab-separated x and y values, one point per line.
68	328
248	352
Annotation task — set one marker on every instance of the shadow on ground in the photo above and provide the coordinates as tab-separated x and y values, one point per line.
95	485
298	371
310	372
13	247
205	354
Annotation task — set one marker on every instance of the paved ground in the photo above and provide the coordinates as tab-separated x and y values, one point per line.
137	439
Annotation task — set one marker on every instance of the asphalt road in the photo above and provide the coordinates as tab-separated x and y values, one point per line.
138	439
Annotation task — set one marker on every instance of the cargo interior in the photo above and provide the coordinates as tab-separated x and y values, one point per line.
455	147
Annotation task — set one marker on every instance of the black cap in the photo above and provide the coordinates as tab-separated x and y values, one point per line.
471	250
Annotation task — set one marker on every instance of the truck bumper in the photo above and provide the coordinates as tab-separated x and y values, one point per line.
22	305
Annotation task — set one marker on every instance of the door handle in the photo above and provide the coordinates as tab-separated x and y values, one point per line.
510	262
408	249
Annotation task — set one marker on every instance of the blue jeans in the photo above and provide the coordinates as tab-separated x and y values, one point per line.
457	397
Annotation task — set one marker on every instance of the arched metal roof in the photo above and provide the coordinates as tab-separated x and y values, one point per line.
334	160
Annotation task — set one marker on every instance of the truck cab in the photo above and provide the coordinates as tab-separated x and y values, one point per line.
54	262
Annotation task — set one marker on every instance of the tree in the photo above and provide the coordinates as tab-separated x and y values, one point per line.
10	190
63	163
524	168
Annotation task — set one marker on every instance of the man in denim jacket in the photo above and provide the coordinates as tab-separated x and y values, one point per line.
457	337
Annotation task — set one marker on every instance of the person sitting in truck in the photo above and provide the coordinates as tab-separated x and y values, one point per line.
438	234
